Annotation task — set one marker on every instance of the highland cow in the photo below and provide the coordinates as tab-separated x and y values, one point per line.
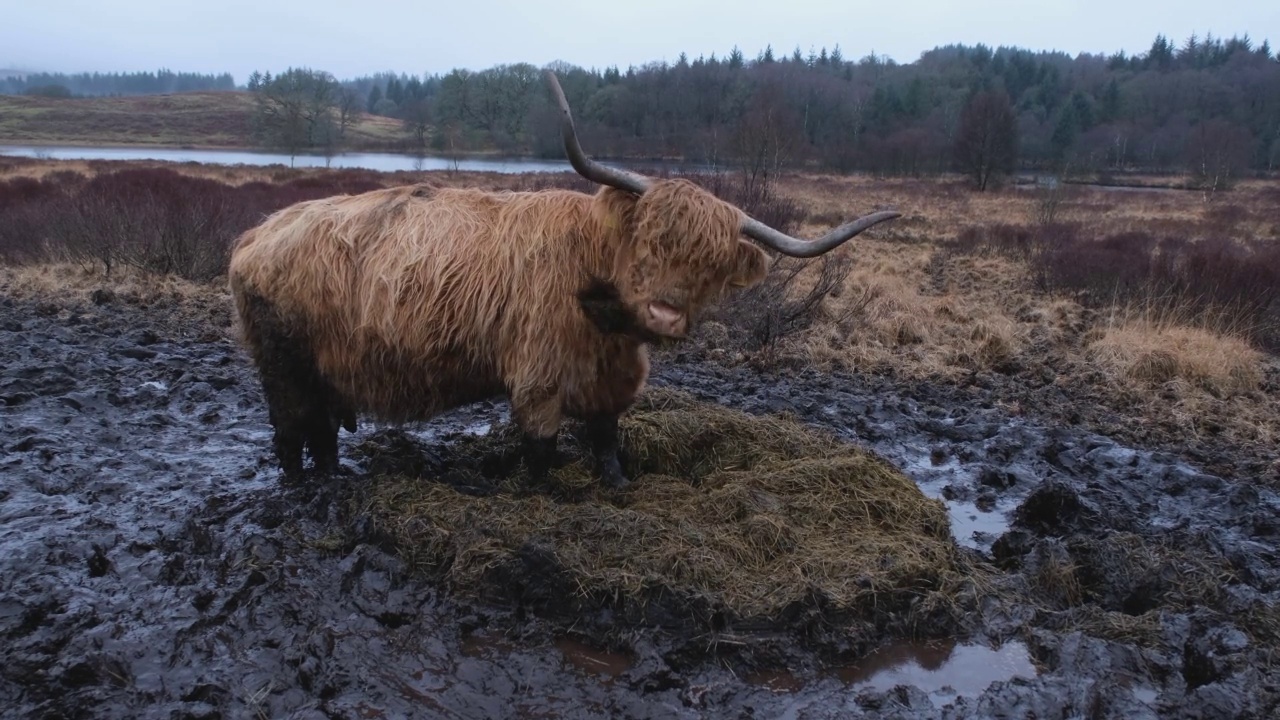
402	303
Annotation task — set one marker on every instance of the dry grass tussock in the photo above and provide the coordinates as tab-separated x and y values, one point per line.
728	511
887	313
188	309
69	283
1143	349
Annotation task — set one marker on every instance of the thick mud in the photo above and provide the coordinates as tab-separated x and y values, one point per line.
152	565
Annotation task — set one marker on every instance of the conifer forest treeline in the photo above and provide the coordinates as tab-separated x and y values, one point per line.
1205	106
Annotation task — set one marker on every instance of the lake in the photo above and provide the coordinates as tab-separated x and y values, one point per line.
382	162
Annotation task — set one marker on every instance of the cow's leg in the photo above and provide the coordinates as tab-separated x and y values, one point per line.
299	411
538	414
601	434
288	440
540	455
298	400
322	435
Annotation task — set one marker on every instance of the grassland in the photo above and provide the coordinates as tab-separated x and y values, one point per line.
220	120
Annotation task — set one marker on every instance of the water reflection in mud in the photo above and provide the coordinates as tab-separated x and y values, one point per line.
484	645
943	670
977	518
591	660
779	681
1146	695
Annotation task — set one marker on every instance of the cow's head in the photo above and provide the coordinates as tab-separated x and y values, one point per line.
682	246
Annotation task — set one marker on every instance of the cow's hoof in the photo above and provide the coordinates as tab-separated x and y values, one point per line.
293	475
611	475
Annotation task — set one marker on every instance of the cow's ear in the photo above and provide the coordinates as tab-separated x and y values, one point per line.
750	265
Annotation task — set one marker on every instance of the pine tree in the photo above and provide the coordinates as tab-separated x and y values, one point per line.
1110	107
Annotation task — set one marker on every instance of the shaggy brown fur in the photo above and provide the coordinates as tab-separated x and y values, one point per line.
405	302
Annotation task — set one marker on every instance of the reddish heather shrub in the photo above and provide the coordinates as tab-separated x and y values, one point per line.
559	181
1226	215
30	210
156	219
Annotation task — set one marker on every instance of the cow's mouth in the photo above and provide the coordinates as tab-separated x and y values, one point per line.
667	319
656	321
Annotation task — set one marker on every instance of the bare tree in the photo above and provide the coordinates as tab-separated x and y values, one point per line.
348	111
987	139
766	136
417	118
1217	151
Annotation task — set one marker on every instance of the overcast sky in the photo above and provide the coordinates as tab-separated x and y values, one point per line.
417	36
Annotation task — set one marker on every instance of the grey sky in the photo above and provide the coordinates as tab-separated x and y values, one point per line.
416	36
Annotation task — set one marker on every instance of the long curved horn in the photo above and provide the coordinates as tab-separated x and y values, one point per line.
751	227
796	247
585	166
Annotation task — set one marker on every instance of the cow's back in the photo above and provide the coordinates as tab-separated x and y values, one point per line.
409	296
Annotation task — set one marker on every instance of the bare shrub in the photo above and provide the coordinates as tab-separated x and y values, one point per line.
1049	200
756	197
29	211
558	181
156	220
783	303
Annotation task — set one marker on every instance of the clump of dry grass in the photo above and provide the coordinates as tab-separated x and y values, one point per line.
1151	351
891	314
181	307
62	282
752	515
1122	584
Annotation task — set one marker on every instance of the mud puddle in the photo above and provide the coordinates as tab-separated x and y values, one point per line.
942	670
151	565
607	665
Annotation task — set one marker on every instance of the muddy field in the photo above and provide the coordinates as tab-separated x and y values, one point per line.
153	566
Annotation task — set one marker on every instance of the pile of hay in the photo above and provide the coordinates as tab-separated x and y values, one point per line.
747	515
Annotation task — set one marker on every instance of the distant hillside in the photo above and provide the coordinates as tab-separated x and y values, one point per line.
198	119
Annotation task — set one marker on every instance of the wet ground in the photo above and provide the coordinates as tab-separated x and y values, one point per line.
152	566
